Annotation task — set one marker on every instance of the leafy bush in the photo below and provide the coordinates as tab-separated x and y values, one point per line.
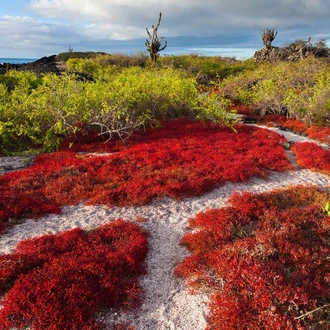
299	90
262	260
15	119
212	66
268	97
63	57
181	159
320	99
61	281
138	59
311	102
119	101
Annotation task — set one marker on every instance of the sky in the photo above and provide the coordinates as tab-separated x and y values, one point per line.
37	28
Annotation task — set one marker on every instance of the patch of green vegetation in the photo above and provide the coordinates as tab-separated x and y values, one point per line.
299	90
71	54
118	101
212	66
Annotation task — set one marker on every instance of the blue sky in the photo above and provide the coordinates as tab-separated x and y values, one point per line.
37	28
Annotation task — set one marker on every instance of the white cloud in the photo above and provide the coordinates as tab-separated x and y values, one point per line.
98	9
92	24
28	37
123	19
115	32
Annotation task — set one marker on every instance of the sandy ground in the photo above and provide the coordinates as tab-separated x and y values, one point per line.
167	303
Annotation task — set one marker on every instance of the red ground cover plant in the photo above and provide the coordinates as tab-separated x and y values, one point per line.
271	120
87	139
61	281
181	159
319	133
312	156
292	124
244	109
263	260
295	125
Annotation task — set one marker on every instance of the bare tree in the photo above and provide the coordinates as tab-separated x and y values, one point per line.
154	44
267	37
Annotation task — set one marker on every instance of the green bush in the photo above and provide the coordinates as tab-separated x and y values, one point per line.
101	62
67	55
117	102
15	119
83	65
320	99
212	66
122	60
299	90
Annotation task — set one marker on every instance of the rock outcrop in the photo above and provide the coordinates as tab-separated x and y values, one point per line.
294	52
43	65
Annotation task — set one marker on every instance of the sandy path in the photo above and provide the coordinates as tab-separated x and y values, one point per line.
167	304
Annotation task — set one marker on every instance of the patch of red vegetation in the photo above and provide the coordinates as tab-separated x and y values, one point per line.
263	260
312	156
271	120
61	281
295	125
244	109
87	140
319	133
181	159
291	124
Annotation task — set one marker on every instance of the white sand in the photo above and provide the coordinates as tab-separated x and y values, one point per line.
167	303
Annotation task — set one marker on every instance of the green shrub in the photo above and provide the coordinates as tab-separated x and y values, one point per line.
117	102
99	63
82	65
214	67
15	119
320	99
268	96
299	90
122	60
67	55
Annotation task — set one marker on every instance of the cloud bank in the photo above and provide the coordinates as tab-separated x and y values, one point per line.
120	24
